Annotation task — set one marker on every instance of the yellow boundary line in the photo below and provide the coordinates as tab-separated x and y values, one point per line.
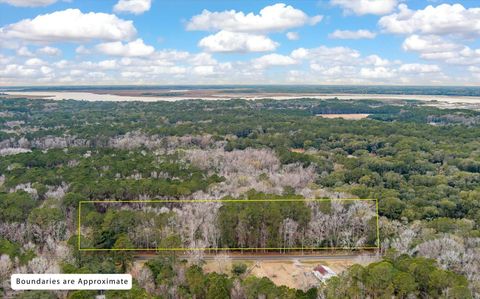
225	248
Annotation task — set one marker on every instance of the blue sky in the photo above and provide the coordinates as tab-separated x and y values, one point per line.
430	42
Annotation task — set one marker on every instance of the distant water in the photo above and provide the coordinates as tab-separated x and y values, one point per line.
318	89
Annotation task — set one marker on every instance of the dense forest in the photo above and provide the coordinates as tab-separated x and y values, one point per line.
422	164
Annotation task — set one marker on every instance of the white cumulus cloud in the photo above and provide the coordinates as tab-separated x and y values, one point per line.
419	68
70	25
134	48
348	34
327	55
34	62
82	50
379	72
293	35
204	70
46	70
51	51
273	60
132	6
434	47
429	44
363	7
443	19
273	18
226	41
16	71
24	51
107	64
376	60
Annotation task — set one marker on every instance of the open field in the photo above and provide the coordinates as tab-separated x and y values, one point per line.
354	116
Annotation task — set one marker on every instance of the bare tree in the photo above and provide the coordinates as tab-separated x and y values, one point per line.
145	279
41	264
243	168
195	256
242	234
6	268
237	291
289	233
224	262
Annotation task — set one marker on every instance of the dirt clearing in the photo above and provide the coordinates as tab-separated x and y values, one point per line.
354	116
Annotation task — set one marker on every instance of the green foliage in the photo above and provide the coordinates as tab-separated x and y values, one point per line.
453	226
14	250
259	286
217	286
263	220
402	277
45	217
162	269
135	292
15	207
71	200
196	281
8	248
123	257
82	294
239	269
391	207
36	295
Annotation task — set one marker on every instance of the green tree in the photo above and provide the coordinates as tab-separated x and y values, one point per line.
196	281
135	292
16	206
239	269
122	254
404	284
217	286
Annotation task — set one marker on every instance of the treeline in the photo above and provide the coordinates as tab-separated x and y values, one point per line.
298	224
248	224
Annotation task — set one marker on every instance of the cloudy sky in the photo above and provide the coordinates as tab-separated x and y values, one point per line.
72	42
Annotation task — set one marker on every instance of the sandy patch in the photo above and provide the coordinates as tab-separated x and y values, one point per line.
297	150
83	96
345	116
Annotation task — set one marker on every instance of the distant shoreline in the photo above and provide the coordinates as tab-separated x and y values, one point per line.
443	101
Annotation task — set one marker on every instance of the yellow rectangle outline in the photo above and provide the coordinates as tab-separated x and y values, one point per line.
225	200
